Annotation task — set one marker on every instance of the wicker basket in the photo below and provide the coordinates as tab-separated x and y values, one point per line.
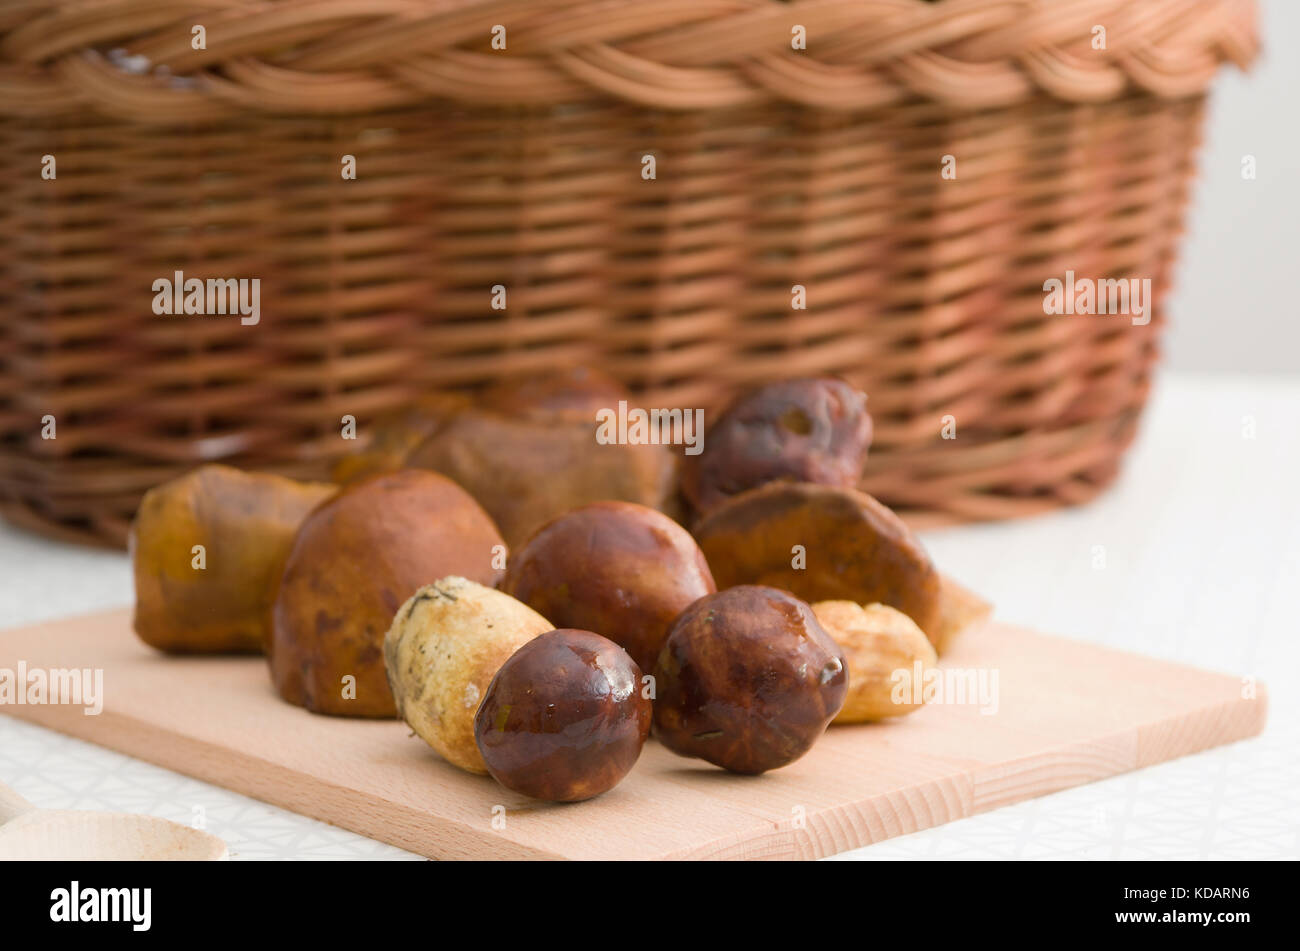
774	167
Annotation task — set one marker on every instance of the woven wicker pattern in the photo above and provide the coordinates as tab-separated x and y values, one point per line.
522	167
334	56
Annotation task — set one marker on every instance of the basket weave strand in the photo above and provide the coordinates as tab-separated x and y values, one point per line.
338	56
521	167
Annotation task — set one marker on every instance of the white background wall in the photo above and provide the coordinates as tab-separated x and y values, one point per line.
1236	300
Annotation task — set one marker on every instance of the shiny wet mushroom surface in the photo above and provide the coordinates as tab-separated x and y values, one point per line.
565	718
747	680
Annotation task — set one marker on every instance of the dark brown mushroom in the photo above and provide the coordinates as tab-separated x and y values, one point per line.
565	718
748	680
812	430
821	543
621	569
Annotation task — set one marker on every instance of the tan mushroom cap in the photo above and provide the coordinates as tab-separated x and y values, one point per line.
821	543
356	559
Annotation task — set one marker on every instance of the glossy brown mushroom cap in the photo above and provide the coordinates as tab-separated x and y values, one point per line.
822	543
811	430
355	560
565	717
748	680
619	568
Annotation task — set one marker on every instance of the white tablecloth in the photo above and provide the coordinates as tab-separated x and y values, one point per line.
1201	542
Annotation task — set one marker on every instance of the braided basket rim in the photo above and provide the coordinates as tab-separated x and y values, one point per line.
133	59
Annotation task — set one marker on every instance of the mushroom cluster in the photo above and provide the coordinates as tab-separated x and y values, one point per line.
528	599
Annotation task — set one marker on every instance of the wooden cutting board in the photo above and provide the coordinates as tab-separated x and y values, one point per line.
1068	713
